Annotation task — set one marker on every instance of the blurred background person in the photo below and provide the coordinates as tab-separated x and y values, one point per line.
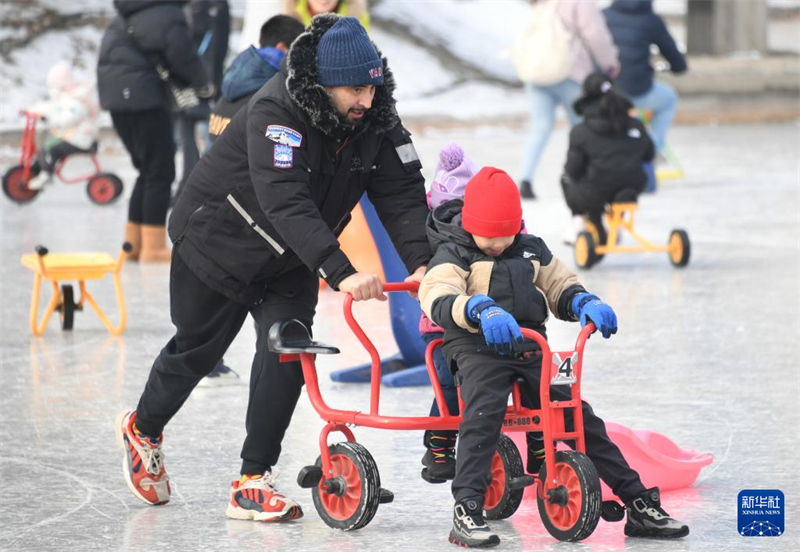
304	10
142	36
562	43
605	157
70	115
635	27
251	70
209	27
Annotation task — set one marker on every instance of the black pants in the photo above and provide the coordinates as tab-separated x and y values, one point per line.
49	158
147	136
486	382
207	322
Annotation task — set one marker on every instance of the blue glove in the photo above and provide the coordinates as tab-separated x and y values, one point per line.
499	328
589	308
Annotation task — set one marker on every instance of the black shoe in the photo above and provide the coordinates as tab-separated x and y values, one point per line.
469	528
535	461
221	375
647	519
440	458
526	190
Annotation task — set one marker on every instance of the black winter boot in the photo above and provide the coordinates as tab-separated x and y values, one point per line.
526	190
440	458
469	528
535	452
646	518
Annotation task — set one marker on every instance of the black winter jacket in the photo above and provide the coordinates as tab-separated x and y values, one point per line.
606	160
143	34
524	281
635	27
278	185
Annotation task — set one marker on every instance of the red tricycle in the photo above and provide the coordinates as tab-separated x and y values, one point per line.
345	482
102	188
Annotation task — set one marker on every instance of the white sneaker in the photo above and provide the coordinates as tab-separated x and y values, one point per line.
39	181
578	226
222	375
259	500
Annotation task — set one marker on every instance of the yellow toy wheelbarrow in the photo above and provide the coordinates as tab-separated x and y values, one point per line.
58	267
621	217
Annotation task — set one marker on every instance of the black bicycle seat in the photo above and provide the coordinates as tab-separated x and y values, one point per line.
290	336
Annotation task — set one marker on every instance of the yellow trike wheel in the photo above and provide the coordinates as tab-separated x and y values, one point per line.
679	248
585	255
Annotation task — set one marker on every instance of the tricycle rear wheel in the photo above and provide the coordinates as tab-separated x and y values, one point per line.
572	511
357	485
501	500
104	188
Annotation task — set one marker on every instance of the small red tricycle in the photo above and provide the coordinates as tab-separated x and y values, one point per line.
102	188
345	482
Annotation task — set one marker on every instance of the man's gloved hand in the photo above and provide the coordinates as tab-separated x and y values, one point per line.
589	308
499	328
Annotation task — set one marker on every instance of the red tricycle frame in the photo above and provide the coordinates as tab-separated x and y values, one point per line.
549	419
102	188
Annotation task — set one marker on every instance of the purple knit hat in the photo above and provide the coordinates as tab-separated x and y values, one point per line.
453	171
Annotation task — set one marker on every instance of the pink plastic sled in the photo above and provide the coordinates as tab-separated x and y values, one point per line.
659	461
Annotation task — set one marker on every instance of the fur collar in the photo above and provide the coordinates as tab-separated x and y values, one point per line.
305	91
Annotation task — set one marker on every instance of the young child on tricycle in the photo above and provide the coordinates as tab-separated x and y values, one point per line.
453	171
485	282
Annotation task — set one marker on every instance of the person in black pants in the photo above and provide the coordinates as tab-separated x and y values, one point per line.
144	35
256	226
479	248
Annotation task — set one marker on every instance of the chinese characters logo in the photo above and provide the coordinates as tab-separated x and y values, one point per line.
761	513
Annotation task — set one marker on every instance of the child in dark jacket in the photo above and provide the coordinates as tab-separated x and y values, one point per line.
478	249
606	154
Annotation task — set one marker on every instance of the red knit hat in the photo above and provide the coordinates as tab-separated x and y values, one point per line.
492	207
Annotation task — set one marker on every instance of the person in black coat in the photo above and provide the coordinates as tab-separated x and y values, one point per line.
257	225
606	153
635	28
251	70
146	34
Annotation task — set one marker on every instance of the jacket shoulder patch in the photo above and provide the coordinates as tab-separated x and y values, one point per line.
284	135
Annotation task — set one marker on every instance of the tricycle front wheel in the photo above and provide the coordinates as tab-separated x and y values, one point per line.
16	187
348	498
571	511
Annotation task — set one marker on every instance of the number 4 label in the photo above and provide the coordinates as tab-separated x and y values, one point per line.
565	374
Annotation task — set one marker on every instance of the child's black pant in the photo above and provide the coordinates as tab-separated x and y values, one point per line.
486	382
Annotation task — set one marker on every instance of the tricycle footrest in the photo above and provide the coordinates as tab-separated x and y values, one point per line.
612	511
309	477
387	496
521	482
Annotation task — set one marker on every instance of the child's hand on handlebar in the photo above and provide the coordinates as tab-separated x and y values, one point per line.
363	286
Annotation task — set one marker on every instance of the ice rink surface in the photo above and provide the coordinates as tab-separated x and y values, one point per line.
708	355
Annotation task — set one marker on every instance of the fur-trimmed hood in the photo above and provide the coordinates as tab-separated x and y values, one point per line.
304	89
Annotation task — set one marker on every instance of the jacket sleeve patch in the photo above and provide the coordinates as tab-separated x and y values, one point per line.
283	157
284	135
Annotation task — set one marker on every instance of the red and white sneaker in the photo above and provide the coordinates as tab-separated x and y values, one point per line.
143	462
257	498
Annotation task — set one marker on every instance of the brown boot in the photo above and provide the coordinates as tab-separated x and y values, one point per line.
154	245
133	235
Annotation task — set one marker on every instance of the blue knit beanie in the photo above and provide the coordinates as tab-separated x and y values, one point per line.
346	56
